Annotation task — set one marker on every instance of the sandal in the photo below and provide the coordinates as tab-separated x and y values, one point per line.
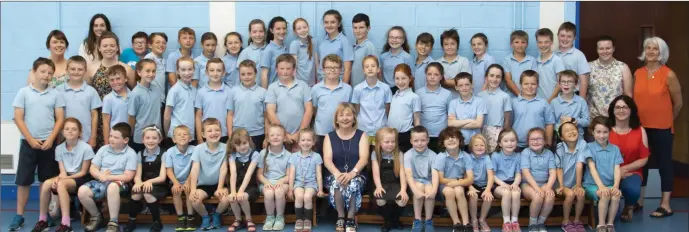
250	226
637	207
339	225
627	214
663	213
236	225
307	226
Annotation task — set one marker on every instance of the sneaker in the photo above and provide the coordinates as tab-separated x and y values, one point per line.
95	223
534	228
190	223
63	228
428	226
215	221
474	226
268	225
279	223
568	227
507	227
601	229
417	226
458	228
113	227
484	226
541	228
181	223
306	226
516	227
156	227
17	223
206	223
41	226
350	225
579	227
611	228
131	226
51	221
299	225
385	227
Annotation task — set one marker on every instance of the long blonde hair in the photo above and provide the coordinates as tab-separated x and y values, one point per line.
380	135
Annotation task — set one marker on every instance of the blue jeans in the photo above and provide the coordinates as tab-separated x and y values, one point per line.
631	189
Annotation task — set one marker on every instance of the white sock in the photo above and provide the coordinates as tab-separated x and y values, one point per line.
506	219
533	221
515	219
541	220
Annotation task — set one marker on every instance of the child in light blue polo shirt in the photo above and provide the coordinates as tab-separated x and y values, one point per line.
326	97
481	61
208	42
571	155
498	106
246	106
468	111
277	31
405	107
483	181
305	49
211	99
158	44
395	51
424	46
507	166
455	173
178	164
274	177
209	170
233	44
452	62
516	62
186	37
305	178
113	168
423	180
256	45
573	58
179	106
83	99
567	106
548	65
538	169
363	47
144	103
288	101
530	111
372	100
435	101
115	103
335	42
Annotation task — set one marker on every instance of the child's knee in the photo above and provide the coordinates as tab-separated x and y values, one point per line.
149	198
400	203
516	195
308	195
616	197
549	199
449	193
113	188
84	191
380	202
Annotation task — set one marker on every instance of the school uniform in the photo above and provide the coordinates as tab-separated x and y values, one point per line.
497	103
81	101
421	164
73	159
144	104
269	60
232	77
547	74
420	73
538	164
454	67
528	114
253	53
402	108
200	75
339	46
305	169
388	180
470	109
568	161
275	166
326	101
181	99
372	101
248	109
210	163
481	166
478	70
506	166
117	162
180	162
242	162
606	159
389	61
116	106
576	108
515	68
213	104
150	169
451	167
161	67
360	52
575	60
39	117
434	109
289	101
305	61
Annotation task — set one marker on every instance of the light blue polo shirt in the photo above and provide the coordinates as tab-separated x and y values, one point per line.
497	103
568	161
420	73
385	156
506	166
248	108
478	70
278	164
515	68
117	162
81	102
453	168
339	46
547	74
180	162
481	166
181	98
404	105
538	164
305	169
452	68
528	114
200	74
434	108
232	72
254	53
245	157
326	101
289	103
213	104
73	159
576	108
162	66
116	106
130	58
389	61
269	60
210	163
305	65
148	157
361	50
421	164
575	60
371	102
144	105
471	109
39	109
606	159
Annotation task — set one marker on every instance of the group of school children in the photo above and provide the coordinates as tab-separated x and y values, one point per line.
437	129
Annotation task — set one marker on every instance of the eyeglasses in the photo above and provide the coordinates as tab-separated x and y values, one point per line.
331	69
536	140
619	108
139	43
566	82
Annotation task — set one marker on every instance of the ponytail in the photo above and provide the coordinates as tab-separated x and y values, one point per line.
309	39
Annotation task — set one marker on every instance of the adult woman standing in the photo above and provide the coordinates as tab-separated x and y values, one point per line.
608	79
57	45
658	95
345	154
89	49
630	137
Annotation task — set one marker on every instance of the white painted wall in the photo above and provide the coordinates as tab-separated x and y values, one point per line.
222	21
10	143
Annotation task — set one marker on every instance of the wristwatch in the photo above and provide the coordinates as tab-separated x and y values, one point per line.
355	170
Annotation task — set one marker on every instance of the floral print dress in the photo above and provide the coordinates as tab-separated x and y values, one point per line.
100	83
605	84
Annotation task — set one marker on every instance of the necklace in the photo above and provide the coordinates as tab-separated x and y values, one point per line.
346	153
